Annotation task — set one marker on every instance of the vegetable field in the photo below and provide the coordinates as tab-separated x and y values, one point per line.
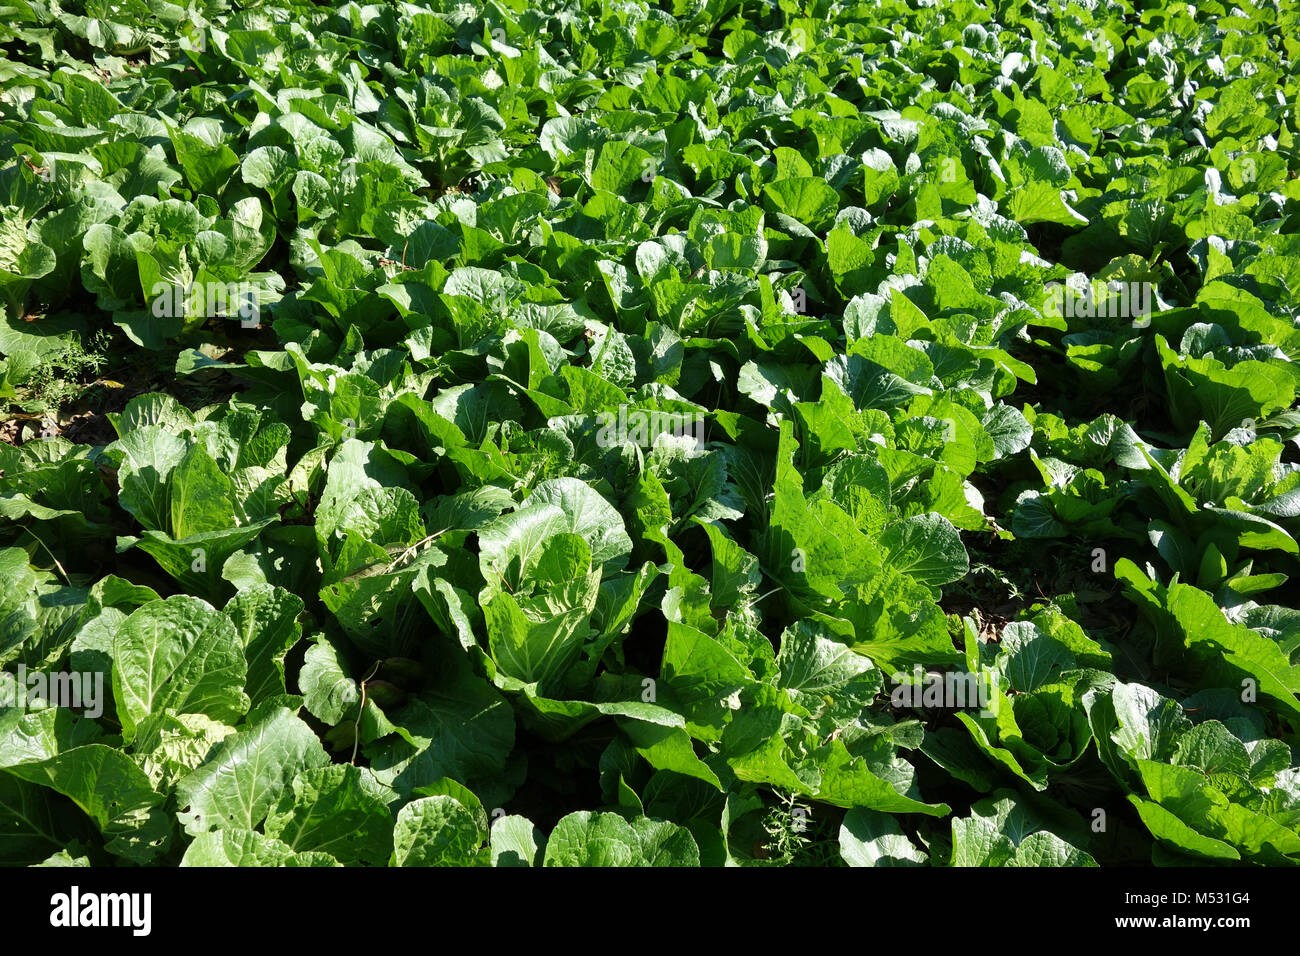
693	433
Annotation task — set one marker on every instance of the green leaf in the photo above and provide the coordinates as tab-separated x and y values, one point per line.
201	496
1167	828
588	515
266	620
868	838
180	655
245	775
436	831
516	842
1031	657
669	748
607	839
805	198
927	547
245	848
340	810
463	730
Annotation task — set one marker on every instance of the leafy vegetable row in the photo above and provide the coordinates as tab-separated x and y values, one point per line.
628	401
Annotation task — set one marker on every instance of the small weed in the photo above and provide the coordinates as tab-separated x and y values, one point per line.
62	376
799	834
